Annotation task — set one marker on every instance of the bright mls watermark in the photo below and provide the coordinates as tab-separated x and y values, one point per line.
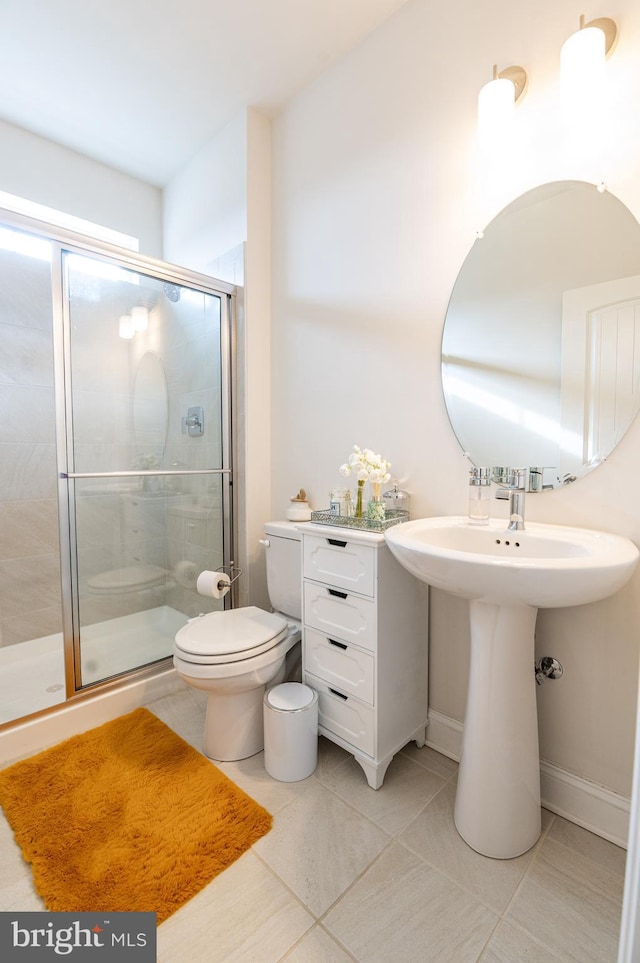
79	937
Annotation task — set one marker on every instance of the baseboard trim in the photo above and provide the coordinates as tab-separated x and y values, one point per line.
585	803
444	734
71	717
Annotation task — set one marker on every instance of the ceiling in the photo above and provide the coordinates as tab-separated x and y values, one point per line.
142	84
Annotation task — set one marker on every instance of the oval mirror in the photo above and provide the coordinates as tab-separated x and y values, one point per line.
150	407
541	342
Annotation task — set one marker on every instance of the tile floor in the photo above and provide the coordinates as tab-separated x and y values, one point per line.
347	873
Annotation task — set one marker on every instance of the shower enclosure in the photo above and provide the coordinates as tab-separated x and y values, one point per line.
115	468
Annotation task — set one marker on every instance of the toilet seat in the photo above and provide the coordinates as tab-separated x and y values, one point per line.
230	636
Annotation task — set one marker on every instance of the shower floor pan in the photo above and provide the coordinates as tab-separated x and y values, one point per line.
32	673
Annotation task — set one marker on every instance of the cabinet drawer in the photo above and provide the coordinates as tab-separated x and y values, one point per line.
346	717
340	615
340	665
335	560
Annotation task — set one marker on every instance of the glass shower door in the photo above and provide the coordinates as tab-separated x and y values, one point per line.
148	464
32	675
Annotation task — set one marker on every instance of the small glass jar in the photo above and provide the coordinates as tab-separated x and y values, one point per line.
338	499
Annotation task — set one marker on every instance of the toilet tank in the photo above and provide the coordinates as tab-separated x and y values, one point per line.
284	572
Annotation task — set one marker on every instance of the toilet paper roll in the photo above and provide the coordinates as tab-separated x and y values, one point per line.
213	584
186	574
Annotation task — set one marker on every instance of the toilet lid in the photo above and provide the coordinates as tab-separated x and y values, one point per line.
236	632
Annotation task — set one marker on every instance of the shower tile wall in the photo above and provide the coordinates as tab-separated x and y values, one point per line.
30	604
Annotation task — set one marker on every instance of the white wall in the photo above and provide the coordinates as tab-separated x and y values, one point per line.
254	339
215	208
377	195
47	173
205	204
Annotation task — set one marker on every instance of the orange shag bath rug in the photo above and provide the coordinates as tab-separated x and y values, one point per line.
126	817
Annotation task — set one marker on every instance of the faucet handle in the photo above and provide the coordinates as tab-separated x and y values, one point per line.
480	476
511	477
535	479
502	475
542	478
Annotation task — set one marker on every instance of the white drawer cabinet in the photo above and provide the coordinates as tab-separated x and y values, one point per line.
365	645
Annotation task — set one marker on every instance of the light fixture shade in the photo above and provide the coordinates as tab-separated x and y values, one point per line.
125	327
496	103
140	318
582	61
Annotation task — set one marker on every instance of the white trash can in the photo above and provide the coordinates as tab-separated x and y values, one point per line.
290	731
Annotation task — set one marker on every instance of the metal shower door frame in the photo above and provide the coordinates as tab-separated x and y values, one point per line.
64	243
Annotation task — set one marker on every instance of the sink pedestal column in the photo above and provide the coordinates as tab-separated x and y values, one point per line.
497	809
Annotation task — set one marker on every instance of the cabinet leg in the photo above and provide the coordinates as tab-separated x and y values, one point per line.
420	737
375	772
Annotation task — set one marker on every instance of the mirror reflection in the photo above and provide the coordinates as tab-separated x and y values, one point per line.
150	407
541	342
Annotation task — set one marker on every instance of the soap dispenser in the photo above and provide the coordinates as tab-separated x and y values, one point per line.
479	500
396	500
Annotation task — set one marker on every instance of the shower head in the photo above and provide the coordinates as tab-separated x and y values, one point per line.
172	291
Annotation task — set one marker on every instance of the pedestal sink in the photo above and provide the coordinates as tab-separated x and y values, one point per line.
507	576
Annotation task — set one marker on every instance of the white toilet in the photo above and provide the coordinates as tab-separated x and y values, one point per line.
237	654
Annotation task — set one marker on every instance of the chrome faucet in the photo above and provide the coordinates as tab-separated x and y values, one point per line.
514	480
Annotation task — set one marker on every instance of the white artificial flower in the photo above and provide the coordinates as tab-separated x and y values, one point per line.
366	464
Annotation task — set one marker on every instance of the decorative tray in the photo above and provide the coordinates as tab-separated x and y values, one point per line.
392	517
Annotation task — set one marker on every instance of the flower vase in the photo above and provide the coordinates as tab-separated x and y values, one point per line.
376	509
359	510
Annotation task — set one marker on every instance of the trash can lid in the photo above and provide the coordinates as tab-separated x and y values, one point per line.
290	696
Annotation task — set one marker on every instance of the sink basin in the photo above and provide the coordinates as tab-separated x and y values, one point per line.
546	566
507	576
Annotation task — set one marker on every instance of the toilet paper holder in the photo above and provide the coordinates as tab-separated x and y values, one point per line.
232	568
216	583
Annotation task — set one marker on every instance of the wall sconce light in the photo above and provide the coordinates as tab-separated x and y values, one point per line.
497	99
583	55
140	318
126	329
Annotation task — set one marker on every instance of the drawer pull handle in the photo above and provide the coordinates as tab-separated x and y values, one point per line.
339	645
338	542
339	694
339	595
